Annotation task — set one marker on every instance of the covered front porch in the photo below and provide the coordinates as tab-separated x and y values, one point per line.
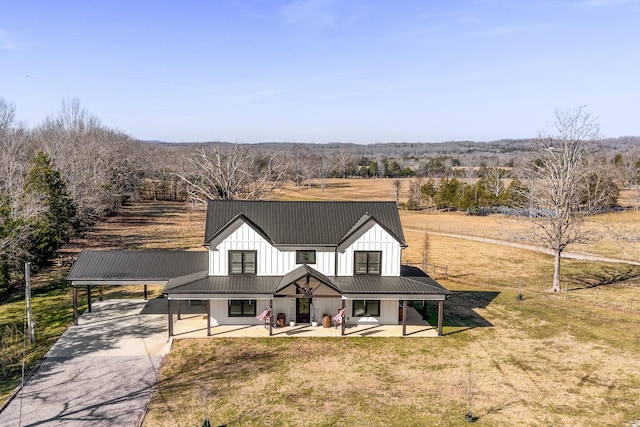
192	322
308	299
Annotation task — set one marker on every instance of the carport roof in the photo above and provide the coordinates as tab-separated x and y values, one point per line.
135	266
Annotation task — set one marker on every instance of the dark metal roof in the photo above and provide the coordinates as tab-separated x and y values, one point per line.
417	283
370	284
223	285
298	223
136	265
412	280
303	271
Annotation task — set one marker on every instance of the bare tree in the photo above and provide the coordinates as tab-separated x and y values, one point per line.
345	161
556	177
494	180
631	174
397	185
415	195
235	173
99	165
18	207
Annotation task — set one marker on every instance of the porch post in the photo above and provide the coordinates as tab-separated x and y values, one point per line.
342	325
100	296
208	317
74	293
440	316
179	309
404	317
145	292
170	317
271	317
424	310
89	298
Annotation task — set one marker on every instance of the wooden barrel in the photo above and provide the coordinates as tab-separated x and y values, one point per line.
326	320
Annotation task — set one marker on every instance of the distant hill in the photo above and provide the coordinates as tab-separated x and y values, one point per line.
413	149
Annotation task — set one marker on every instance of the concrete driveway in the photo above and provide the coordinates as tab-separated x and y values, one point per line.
100	373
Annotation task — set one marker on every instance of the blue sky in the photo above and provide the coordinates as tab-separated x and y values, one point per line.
360	71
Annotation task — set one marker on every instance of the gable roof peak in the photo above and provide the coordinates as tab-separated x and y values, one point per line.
322	223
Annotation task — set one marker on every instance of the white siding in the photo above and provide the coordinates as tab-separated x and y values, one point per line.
271	261
389	310
220	313
373	239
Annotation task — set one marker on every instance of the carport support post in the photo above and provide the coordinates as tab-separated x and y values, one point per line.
89	298
74	292
208	317
342	325
169	311
404	317
440	316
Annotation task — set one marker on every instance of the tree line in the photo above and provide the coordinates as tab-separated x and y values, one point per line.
57	179
63	175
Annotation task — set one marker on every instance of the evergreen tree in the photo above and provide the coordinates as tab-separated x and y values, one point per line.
58	223
448	194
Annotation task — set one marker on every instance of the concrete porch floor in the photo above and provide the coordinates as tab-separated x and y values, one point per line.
194	325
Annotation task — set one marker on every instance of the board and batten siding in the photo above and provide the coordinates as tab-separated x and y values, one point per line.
389	310
271	260
375	238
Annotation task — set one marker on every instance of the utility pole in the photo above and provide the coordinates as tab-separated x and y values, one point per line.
27	292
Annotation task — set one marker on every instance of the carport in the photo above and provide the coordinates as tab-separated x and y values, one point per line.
142	268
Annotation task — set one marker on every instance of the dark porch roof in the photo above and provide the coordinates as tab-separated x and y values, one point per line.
135	266
413	282
212	285
396	285
303	271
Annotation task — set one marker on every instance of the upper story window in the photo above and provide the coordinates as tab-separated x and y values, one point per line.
242	262
367	262
305	257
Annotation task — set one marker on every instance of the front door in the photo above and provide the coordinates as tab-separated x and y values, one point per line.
303	310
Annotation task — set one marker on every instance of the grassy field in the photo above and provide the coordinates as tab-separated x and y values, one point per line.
549	359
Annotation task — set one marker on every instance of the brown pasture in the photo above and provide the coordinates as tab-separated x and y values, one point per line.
547	359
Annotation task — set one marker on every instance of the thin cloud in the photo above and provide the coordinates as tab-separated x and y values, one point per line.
508	30
315	12
6	42
259	94
629	6
610	3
